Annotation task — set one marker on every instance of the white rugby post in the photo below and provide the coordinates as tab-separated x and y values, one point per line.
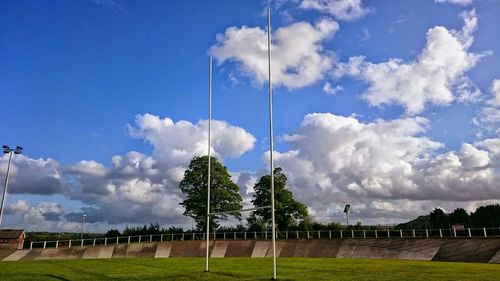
209	148
271	145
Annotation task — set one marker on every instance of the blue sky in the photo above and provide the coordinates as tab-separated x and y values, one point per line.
417	94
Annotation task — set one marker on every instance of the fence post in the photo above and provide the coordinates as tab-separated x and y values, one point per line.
151	238
319	234
364	233
117	239
93	244
224	236
297	232
182	236
308	234
81	244
140	238
376	234
286	234
330	234
234	235
484	231
470	234
245	235
454	233
440	233
255	234
215	236
161	237
426	233
401	233
44	244
352	233
57	244
341	236
106	241
69	244
413	232
266	234
388	234
31	245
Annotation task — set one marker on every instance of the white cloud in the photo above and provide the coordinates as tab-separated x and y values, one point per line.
430	79
178	142
340	9
495	91
330	90
32	176
460	2
384	166
298	58
488	117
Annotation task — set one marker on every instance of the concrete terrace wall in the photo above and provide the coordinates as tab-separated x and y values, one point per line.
466	250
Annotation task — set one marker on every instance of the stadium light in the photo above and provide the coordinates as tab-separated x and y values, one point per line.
83	220
346	211
7	149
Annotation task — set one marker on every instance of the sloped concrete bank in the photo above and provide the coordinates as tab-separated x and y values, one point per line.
466	250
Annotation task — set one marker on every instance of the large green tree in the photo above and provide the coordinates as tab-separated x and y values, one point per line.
287	209
459	216
224	193
486	216
438	219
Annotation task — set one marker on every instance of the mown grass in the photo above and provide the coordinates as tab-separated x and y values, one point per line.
246	269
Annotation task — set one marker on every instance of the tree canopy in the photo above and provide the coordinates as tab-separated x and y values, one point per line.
224	193
438	219
287	209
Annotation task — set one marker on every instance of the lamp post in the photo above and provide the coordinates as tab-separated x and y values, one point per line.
83	220
7	149
346	211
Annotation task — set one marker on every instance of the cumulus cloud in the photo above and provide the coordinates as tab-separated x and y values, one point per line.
139	187
460	2
331	90
384	166
298	58
33	176
488	117
340	9
432	78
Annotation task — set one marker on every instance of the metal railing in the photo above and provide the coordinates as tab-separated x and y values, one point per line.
256	235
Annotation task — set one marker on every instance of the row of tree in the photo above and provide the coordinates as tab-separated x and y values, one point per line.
484	216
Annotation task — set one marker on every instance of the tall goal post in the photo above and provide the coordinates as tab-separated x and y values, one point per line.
209	156
271	139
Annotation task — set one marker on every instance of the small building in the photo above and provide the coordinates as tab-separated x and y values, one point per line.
12	238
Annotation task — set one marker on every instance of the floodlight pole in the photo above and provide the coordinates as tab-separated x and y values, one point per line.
5	187
83	220
209	148
7	149
271	139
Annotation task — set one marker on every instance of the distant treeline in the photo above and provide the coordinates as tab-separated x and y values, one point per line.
485	216
305	225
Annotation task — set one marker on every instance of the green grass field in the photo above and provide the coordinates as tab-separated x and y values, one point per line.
246	269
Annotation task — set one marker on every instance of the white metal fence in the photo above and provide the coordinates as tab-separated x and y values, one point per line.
245	235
